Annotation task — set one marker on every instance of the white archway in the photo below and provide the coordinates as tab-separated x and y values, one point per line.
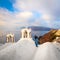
26	33
10	37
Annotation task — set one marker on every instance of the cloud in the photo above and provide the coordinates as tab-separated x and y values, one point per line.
25	10
24	14
2	23
50	7
11	20
46	17
47	8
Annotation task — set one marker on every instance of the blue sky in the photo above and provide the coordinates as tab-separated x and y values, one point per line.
6	4
19	13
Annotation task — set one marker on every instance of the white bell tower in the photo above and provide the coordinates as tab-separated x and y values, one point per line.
10	38
26	33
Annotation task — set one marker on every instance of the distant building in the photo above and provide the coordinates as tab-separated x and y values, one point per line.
57	40
10	38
